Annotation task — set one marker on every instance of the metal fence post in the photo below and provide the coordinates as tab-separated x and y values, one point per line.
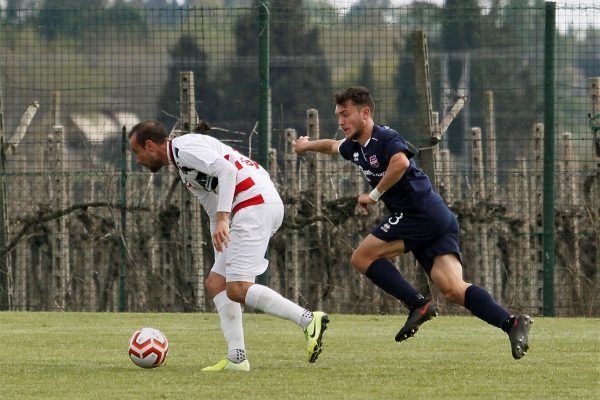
548	207
123	202
5	260
264	89
264	95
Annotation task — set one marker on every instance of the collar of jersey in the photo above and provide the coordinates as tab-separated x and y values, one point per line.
170	152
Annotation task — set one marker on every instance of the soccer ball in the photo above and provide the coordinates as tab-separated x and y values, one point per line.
148	348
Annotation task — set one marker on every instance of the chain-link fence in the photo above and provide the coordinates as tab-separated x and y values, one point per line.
84	228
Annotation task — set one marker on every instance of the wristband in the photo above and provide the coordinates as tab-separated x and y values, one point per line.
375	194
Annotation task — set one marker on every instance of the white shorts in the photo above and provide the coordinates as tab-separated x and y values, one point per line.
249	234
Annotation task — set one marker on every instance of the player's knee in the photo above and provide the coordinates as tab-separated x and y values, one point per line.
236	293
360	262
214	285
454	294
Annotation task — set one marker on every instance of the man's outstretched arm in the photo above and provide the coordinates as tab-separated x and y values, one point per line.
326	146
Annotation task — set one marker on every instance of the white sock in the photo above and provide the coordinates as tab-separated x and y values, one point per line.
236	355
269	301
230	315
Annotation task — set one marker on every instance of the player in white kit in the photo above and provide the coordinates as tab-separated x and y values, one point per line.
245	210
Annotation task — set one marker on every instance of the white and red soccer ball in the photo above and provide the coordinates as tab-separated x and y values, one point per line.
148	348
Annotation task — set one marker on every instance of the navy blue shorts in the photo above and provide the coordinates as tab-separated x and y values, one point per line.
427	232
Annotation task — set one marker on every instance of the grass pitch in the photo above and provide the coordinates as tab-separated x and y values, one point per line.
84	356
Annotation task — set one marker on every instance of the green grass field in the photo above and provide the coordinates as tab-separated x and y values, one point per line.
84	356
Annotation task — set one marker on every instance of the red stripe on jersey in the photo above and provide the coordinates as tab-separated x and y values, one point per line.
243	185
252	201
237	163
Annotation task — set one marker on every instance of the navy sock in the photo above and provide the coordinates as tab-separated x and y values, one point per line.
482	305
383	274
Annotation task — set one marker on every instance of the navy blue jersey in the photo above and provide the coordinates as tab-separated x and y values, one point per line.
413	190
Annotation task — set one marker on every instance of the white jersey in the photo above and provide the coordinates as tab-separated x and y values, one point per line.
219	176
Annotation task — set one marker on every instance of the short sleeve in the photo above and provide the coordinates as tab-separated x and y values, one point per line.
345	149
395	144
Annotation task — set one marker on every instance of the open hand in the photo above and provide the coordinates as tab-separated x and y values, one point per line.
220	237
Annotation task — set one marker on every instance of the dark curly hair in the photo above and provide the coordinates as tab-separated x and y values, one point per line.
359	95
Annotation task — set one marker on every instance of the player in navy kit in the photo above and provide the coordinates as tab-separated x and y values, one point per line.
419	222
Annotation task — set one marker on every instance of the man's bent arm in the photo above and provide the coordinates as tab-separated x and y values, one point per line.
397	166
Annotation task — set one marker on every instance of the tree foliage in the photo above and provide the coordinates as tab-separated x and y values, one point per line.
186	55
460	36
299	76
71	18
365	74
369	11
482	49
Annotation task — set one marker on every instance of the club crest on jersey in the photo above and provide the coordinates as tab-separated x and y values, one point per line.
373	161
355	155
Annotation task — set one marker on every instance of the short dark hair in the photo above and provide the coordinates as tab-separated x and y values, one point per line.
359	95
149	130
